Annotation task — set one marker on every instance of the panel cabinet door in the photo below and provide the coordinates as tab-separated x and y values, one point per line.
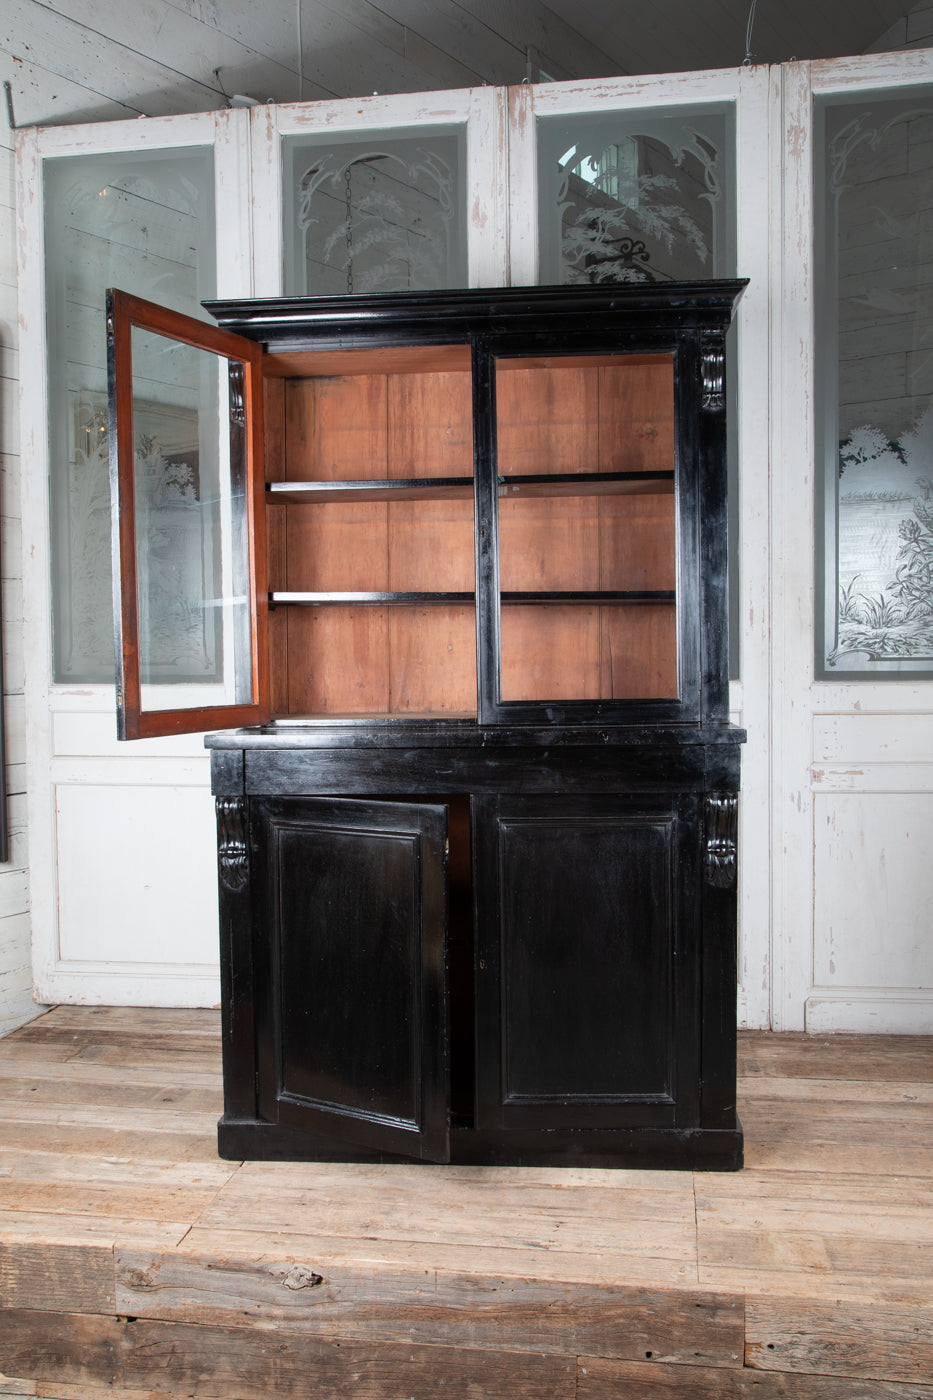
187	487
586	986
350	913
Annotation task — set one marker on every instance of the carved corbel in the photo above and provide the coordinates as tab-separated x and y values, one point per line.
722	819
237	381
713	375
232	855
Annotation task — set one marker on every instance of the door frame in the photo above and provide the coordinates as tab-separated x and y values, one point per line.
71	732
827	737
483	113
753	92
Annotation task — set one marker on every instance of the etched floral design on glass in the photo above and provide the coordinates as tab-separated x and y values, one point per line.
379	215
875	378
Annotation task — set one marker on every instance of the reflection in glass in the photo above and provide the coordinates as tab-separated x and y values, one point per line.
875	378
143	221
643	196
192	542
636	196
379	214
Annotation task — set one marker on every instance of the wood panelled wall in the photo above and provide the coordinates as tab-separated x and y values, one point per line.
95	60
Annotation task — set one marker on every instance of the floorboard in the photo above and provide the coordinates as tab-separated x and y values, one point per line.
134	1263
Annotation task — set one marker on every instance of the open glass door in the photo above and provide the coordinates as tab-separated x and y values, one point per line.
188	541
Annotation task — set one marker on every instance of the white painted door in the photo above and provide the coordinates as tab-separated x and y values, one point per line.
661	177
122	836
852	734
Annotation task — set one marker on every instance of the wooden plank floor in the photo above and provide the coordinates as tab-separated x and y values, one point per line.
134	1263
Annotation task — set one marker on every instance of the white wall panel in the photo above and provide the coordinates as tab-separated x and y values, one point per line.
872	738
852	761
900	1013
88	732
131	862
874	892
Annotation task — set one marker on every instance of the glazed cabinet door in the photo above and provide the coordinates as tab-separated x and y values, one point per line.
187	510
586	996
589	528
350	917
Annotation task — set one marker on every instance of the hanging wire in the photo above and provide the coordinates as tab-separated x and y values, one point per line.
220	84
748	35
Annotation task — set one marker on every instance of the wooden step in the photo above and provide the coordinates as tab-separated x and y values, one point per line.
136	1264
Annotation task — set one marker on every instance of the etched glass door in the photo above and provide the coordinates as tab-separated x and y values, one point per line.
874	383
139	219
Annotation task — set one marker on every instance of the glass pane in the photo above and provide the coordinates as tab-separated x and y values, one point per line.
381	213
875	378
192	541
143	221
637	196
587	527
644	196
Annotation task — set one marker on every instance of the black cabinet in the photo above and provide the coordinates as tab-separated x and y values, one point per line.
537	965
458	562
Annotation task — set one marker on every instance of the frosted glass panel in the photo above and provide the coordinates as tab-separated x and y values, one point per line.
192	542
636	196
381	213
875	379
143	221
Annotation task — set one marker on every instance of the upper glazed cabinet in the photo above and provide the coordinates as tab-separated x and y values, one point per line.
493	507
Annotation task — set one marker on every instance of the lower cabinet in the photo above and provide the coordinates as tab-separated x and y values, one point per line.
484	977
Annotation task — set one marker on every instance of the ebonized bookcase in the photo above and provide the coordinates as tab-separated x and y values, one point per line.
476	785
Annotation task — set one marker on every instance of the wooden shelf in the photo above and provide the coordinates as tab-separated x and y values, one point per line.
367	599
317	493
605	595
587	484
408	599
555	484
